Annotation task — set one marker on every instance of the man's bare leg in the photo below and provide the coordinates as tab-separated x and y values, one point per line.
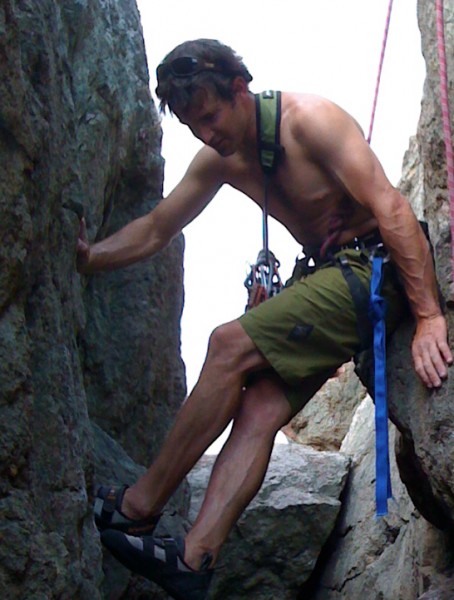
239	469
242	463
213	403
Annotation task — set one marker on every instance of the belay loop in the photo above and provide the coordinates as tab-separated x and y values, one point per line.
263	281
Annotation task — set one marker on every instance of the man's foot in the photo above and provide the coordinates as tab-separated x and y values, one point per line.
108	514
161	559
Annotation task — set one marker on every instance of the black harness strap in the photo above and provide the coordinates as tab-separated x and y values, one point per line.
313	260
360	296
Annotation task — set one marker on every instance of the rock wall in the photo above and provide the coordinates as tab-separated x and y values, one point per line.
424	417
78	133
407	555
400	556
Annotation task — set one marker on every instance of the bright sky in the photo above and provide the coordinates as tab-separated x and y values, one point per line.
327	47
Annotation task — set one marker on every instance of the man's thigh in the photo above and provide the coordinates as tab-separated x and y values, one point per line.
308	330
258	389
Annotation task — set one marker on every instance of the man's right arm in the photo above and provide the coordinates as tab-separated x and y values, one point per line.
146	235
335	141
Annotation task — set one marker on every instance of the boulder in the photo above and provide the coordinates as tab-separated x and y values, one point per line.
325	420
274	546
396	556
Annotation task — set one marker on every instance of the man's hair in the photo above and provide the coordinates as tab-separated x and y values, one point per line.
178	93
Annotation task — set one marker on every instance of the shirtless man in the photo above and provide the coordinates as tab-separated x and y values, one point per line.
259	370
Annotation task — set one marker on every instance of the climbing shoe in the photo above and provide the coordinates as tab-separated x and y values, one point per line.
161	559
108	513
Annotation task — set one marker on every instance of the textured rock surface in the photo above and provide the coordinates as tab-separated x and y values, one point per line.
273	548
398	556
425	418
404	556
114	465
130	345
77	131
325	420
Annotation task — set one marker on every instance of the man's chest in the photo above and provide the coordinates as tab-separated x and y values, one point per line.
296	186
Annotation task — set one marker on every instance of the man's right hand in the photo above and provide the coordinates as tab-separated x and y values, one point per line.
83	248
431	353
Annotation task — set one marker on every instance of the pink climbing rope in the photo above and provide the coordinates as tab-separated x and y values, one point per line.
382	58
336	224
446	123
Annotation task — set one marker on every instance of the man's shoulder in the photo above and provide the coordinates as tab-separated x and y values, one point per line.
297	107
210	165
293	101
310	116
208	159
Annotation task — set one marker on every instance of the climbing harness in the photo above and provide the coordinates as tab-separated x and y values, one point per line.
370	308
446	123
264	281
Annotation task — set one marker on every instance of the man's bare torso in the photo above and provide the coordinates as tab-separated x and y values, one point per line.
303	195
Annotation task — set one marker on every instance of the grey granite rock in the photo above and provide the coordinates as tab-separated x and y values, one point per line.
273	548
78	133
396	556
325	420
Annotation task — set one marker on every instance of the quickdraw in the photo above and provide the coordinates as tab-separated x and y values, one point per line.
263	281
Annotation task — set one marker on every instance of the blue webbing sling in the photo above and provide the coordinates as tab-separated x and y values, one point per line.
377	313
370	308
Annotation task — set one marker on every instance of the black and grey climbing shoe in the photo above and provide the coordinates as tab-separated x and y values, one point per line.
160	559
108	513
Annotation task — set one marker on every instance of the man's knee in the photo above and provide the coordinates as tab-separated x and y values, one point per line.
230	344
265	408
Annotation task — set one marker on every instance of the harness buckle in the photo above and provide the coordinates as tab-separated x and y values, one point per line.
355	244
379	250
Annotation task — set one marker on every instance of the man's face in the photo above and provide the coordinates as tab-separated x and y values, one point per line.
218	123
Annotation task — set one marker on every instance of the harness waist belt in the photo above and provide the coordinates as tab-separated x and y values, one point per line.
369	240
373	238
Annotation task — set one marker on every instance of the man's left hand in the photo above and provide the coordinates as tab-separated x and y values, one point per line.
431	353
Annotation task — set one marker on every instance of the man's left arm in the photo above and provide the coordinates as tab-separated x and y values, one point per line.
343	151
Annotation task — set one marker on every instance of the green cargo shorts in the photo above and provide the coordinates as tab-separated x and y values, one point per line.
309	330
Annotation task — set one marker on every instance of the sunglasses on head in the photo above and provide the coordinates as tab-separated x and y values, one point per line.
187	66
